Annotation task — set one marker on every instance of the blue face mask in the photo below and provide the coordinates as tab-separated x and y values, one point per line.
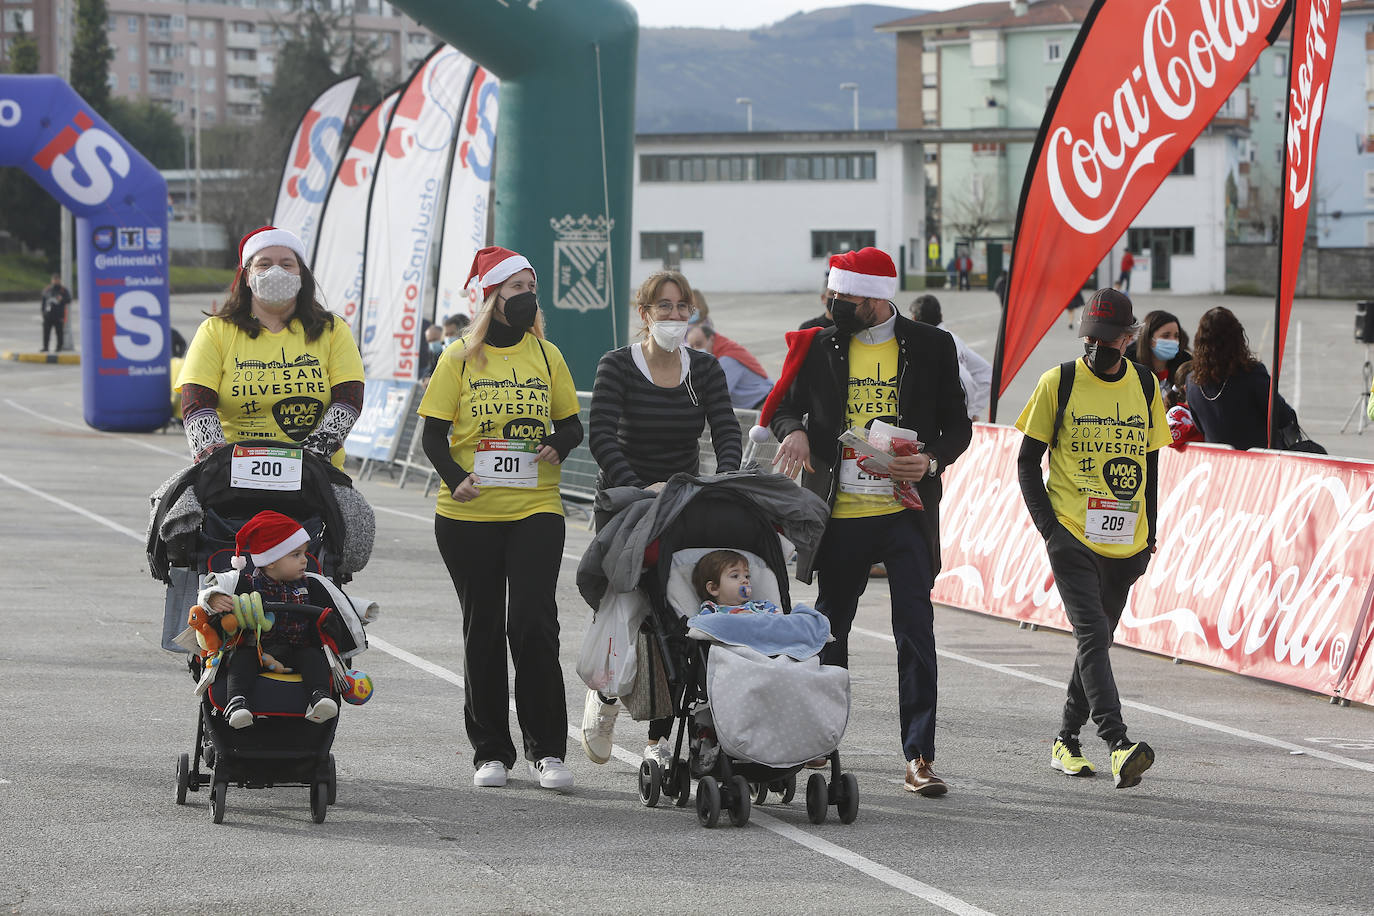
1165	349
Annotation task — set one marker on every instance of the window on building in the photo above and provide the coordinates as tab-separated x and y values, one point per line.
210	57
133	82
1278	109
817	167
1184	166
194	57
932	153
825	242
929	118
133	25
133	54
159	23
1280	64
241	53
930	100
111	22
209	30
210	114
243	82
1369	184
210	84
195	28
112	81
178	23
656	246
243	27
1053	50
1177	240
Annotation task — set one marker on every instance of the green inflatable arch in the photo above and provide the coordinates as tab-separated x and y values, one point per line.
565	142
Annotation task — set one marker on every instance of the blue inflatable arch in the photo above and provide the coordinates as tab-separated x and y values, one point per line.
120	204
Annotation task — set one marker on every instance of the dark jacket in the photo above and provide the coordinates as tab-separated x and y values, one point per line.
1235	411
930	400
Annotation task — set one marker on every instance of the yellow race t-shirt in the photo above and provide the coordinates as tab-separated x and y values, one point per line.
1097	469
871	395
274	386
500	411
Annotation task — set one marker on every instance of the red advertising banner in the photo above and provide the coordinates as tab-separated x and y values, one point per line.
311	161
1315	24
1142	81
1265	561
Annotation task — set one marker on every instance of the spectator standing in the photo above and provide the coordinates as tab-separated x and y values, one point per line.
885	367
1228	389
965	265
1098	515
53	307
749	384
1127	265
1161	347
975	373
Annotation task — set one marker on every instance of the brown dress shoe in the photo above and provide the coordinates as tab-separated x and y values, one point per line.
921	779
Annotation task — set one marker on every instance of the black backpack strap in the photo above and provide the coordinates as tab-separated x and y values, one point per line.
1147	386
1066	374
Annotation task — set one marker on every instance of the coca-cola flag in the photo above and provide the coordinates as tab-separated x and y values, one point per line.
469	185
338	261
1142	81
1314	42
404	215
311	160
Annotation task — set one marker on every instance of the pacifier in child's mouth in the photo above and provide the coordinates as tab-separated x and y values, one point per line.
744	592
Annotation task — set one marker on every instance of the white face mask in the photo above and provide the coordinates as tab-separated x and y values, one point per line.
669	334
275	285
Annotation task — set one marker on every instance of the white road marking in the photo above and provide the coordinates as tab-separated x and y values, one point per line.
182	455
57	500
1145	707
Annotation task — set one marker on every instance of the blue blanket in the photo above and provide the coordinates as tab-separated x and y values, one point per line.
800	634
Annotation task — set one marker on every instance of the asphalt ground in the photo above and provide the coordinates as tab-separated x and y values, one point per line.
1260	799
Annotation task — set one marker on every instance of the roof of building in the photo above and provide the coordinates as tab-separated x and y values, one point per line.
995	15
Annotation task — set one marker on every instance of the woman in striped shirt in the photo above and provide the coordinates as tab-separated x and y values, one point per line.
650	402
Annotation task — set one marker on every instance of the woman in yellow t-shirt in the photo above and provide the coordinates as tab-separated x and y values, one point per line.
272	363
500	416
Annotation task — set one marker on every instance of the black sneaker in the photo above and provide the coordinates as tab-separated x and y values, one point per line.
238	713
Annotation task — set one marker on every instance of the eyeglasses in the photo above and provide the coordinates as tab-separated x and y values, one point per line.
666	309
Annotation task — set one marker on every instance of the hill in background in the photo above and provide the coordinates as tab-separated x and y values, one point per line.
689	78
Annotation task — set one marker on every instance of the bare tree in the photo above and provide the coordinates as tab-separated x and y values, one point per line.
973	209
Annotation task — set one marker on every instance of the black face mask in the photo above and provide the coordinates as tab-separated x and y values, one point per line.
1101	358
846	316
520	311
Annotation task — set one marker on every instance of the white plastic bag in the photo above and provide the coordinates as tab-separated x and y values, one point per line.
607	661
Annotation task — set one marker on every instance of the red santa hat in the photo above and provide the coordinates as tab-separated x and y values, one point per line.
495	265
267	537
798	346
866	272
265	237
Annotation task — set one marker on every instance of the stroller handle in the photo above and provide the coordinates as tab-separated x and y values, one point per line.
287	607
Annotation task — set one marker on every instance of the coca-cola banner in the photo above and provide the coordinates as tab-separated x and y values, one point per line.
469	185
1264	565
338	261
1142	81
311	160
403	222
1314	42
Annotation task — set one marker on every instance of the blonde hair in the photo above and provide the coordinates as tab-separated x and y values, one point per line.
474	341
649	290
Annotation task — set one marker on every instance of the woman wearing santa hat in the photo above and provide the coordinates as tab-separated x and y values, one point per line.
650	402
272	362
500	416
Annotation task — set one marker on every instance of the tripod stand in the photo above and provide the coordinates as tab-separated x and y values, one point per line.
1360	407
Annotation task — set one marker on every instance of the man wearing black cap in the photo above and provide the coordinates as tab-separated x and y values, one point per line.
1102	419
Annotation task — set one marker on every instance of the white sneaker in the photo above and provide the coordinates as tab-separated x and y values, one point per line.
238	714
322	710
598	727
491	774
660	752
553	774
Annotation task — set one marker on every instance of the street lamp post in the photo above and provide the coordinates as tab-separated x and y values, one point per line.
853	87
748	112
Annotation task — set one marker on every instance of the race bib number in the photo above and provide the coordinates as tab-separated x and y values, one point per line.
265	468
1111	521
854	479
507	463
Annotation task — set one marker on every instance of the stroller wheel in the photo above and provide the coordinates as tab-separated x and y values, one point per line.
319	801
817	799
760	792
650	782
847	798
789	789
739	801
682	793
183	777
708	801
217	793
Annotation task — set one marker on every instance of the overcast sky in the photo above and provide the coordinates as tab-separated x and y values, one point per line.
748	14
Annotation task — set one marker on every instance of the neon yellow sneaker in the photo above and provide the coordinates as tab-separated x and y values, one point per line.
1129	761
1067	757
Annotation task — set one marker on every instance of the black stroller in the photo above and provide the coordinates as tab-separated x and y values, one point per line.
714	520
280	748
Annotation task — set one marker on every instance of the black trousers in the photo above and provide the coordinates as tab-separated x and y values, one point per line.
51	324
1094	589
307	661
490	562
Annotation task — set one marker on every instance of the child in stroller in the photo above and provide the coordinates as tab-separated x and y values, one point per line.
724	574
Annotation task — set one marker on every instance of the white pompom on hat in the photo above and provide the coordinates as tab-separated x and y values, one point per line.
866	272
267	537
265	237
495	265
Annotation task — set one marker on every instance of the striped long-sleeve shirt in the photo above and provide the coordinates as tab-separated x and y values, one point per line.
641	434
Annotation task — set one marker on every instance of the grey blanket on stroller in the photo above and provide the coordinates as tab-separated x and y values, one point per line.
615	559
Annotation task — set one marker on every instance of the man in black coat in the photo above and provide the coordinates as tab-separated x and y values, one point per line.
875	364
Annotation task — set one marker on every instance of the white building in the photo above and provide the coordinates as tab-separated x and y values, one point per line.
762	212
